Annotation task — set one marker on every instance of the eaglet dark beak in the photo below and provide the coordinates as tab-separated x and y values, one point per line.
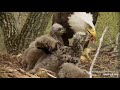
63	30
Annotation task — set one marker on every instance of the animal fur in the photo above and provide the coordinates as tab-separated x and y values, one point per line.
69	70
76	48
60	56
62	19
46	43
41	46
30	57
61	59
79	21
57	31
52	62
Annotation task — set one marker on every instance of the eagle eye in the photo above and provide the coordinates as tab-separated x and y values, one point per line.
59	29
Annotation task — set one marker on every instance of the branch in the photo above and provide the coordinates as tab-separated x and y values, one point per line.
116	42
100	44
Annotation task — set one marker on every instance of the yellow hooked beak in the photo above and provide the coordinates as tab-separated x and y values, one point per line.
92	31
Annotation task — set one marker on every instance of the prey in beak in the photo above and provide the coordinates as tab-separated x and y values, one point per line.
92	33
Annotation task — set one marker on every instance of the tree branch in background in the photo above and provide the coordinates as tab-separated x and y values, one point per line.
16	40
35	25
95	58
7	23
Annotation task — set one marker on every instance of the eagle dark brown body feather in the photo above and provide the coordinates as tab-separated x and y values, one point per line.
62	18
60	54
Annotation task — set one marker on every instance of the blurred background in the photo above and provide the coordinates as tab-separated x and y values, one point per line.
19	29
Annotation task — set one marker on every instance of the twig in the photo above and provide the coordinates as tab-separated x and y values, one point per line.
51	75
48	72
116	42
100	44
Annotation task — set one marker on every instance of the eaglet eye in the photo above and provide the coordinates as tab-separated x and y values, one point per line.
59	29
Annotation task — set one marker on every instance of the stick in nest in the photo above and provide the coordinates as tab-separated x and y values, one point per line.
100	44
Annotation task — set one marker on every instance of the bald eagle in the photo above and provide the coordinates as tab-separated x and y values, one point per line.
75	22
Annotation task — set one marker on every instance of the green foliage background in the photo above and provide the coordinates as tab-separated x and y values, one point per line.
110	19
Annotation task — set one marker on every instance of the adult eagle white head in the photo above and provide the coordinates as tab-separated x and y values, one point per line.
82	22
75	22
